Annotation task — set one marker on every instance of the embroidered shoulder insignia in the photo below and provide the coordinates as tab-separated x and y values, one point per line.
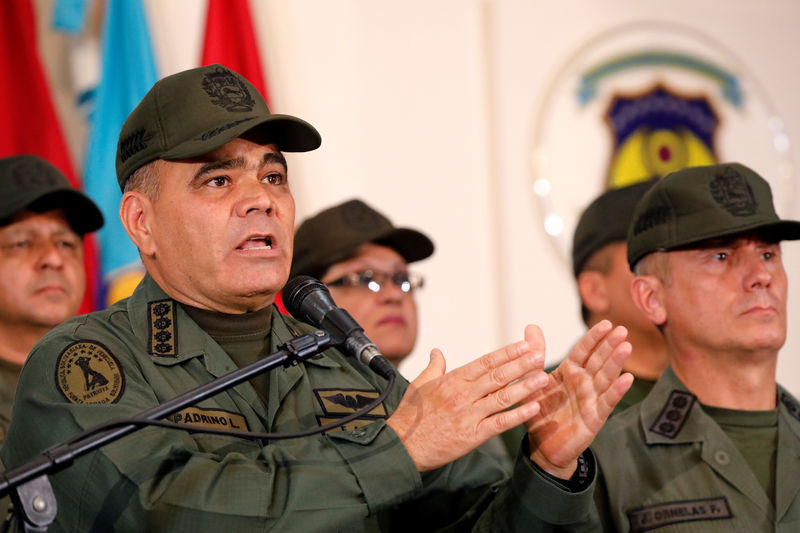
674	414
87	372
791	405
664	514
163	338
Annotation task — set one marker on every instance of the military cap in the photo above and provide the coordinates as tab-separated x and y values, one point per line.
604	221
700	203
334	234
196	111
30	182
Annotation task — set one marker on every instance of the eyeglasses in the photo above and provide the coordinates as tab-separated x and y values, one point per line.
375	281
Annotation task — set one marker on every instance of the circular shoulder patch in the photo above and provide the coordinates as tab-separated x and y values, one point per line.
86	372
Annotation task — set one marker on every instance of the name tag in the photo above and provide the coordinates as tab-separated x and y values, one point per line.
664	514
210	418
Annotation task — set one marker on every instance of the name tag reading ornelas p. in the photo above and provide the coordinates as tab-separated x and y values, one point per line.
664	514
210	418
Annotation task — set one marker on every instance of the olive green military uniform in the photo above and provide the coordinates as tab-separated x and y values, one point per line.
666	465
9	374
145	350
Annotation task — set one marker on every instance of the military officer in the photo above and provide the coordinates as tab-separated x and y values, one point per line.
603	279
207	202
363	258
43	220
715	445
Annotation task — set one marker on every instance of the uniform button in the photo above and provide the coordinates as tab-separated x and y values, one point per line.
722	457
358	433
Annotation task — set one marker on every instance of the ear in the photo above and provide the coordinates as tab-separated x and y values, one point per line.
593	291
135	212
648	295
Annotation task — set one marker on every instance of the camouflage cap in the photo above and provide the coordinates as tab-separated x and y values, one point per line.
30	182
197	111
334	234
604	221
700	203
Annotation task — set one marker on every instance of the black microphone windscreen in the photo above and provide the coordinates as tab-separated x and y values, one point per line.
296	299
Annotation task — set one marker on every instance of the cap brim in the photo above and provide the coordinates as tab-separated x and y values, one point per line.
82	213
780	230
411	244
291	134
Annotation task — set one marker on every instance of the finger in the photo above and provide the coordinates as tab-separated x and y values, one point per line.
436	368
497	378
581	351
481	366
597	360
512	394
503	421
612	366
608	400
535	339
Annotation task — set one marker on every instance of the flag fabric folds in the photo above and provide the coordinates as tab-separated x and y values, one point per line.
231	41
128	70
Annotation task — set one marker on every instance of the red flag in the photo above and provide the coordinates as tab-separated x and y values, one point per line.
30	124
231	41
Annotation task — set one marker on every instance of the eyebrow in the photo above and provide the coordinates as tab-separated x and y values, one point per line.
237	163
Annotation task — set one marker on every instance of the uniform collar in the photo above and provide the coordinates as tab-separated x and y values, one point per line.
671	414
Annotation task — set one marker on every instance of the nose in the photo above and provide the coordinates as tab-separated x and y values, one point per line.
254	197
51	255
390	293
757	271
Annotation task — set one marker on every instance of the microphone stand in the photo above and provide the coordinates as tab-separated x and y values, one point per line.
34	500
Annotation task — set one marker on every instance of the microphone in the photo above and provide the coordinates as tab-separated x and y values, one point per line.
307	299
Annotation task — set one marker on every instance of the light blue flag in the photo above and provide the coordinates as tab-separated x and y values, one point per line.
70	15
128	71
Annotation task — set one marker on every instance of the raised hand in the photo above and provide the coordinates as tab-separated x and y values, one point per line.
443	416
578	398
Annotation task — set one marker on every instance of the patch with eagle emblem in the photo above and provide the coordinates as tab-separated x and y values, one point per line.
338	403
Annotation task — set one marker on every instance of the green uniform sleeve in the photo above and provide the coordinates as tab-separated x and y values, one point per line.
534	502
171	480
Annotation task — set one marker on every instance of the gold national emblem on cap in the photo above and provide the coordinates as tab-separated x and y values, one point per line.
86	372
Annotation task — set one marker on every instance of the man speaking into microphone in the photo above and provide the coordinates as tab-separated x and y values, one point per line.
206	200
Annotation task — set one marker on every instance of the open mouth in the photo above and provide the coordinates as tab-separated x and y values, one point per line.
257	243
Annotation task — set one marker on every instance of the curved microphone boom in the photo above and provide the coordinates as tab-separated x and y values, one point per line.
307	299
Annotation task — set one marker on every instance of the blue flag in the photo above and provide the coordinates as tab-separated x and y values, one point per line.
128	71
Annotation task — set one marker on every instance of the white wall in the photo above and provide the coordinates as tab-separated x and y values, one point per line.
426	111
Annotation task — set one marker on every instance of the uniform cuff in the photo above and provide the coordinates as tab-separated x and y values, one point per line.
552	500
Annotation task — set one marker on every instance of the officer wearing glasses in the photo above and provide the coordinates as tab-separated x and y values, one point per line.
363	258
